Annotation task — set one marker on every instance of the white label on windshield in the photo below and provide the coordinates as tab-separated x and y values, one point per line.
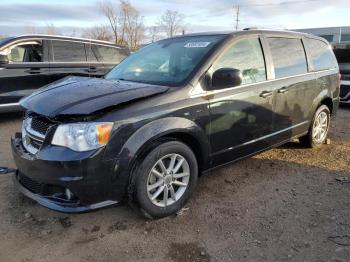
197	44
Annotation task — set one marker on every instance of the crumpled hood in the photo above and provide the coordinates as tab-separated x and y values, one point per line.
83	95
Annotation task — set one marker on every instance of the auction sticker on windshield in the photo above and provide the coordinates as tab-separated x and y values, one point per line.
197	44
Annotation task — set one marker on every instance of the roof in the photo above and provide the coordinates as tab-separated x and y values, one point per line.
255	31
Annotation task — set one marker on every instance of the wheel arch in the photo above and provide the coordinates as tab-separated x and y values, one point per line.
327	101
323	98
147	138
170	128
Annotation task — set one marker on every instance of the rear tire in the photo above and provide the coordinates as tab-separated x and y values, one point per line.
318	130
165	179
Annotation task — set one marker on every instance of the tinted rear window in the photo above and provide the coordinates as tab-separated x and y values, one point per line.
288	56
321	55
65	51
109	54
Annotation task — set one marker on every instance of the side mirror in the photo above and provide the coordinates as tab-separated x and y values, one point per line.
226	77
4	59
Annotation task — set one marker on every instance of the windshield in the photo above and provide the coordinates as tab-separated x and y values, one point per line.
167	62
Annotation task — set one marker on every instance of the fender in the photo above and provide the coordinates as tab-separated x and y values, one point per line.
147	134
162	127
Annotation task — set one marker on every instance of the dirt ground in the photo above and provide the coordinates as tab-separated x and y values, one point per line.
282	205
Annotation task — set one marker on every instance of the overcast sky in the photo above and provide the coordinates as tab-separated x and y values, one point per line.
16	16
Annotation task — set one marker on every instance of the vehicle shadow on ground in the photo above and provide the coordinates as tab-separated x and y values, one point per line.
292	145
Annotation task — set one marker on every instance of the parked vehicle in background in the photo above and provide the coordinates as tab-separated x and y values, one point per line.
342	52
30	62
169	112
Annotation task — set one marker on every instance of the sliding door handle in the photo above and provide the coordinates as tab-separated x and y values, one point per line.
283	90
265	94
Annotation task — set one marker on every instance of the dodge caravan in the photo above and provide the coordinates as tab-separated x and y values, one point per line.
170	112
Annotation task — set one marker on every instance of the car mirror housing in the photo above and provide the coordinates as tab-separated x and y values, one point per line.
4	59
225	78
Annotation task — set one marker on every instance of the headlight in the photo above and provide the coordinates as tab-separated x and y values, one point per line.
82	136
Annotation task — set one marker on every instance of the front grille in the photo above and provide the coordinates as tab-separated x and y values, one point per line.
40	125
30	184
35	143
35	129
344	90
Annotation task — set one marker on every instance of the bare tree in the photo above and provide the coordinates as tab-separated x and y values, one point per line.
51	29
31	29
99	33
125	22
110	11
131	25
154	33
236	9
74	33
172	22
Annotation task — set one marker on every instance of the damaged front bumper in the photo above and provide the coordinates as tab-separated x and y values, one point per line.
64	180
57	203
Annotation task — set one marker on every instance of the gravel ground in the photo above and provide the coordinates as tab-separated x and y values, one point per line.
282	205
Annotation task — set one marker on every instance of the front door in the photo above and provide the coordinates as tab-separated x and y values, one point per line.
241	116
26	71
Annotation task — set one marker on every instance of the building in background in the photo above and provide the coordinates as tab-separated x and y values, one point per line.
332	34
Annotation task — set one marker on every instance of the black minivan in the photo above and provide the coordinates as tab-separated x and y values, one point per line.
32	61
170	112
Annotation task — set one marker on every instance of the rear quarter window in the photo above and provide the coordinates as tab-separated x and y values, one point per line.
108	54
288	56
322	56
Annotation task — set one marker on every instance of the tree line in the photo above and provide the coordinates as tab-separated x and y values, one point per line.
126	25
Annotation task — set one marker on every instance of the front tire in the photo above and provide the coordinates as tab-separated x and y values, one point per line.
165	179
318	130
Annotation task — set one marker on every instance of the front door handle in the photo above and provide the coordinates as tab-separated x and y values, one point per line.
283	90
265	94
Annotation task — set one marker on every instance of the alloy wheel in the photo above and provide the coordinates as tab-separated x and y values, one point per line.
320	127
168	180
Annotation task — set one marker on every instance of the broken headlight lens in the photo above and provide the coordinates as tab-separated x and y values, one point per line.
82	136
